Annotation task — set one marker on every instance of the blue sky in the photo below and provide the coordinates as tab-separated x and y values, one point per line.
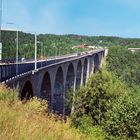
84	17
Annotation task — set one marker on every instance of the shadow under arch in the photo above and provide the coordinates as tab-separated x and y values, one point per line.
27	91
85	71
58	91
69	77
78	74
96	63
69	87
46	88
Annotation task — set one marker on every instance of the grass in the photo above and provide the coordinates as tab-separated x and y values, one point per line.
30	121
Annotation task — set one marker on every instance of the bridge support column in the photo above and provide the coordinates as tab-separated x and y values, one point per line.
90	67
64	93
52	97
36	86
74	89
82	75
88	70
64	96
101	60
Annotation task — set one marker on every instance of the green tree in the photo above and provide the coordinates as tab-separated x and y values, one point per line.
101	91
123	120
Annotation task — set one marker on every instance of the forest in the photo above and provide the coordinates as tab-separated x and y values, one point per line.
50	45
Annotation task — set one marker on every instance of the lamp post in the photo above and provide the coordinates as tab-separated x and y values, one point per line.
36	42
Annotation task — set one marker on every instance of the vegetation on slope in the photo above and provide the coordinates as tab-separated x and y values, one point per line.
30	121
125	64
105	108
110	100
63	43
110	105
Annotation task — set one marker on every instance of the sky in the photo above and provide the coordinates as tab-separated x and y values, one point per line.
84	17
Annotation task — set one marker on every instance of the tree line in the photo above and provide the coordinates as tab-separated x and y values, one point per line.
51	44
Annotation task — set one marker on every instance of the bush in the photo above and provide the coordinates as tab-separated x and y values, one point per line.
101	91
123	120
84	124
8	94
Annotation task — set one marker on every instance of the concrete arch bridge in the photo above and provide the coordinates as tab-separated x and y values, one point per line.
52	82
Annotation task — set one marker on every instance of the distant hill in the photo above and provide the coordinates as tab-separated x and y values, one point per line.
64	43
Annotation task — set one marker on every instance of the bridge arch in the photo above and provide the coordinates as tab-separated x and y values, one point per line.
27	91
78	74
46	88
85	71
69	83
58	91
96	63
70	77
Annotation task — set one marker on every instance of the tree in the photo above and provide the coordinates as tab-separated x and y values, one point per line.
123	120
101	91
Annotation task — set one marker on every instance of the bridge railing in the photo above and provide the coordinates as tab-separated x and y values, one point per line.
8	71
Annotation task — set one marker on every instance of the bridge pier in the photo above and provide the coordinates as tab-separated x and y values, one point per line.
82	75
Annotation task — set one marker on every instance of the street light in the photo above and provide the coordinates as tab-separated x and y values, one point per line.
35	51
36	42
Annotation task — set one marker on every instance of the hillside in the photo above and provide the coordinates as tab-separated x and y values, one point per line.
64	43
125	64
31	121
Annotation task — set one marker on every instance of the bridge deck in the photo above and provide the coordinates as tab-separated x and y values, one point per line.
8	71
